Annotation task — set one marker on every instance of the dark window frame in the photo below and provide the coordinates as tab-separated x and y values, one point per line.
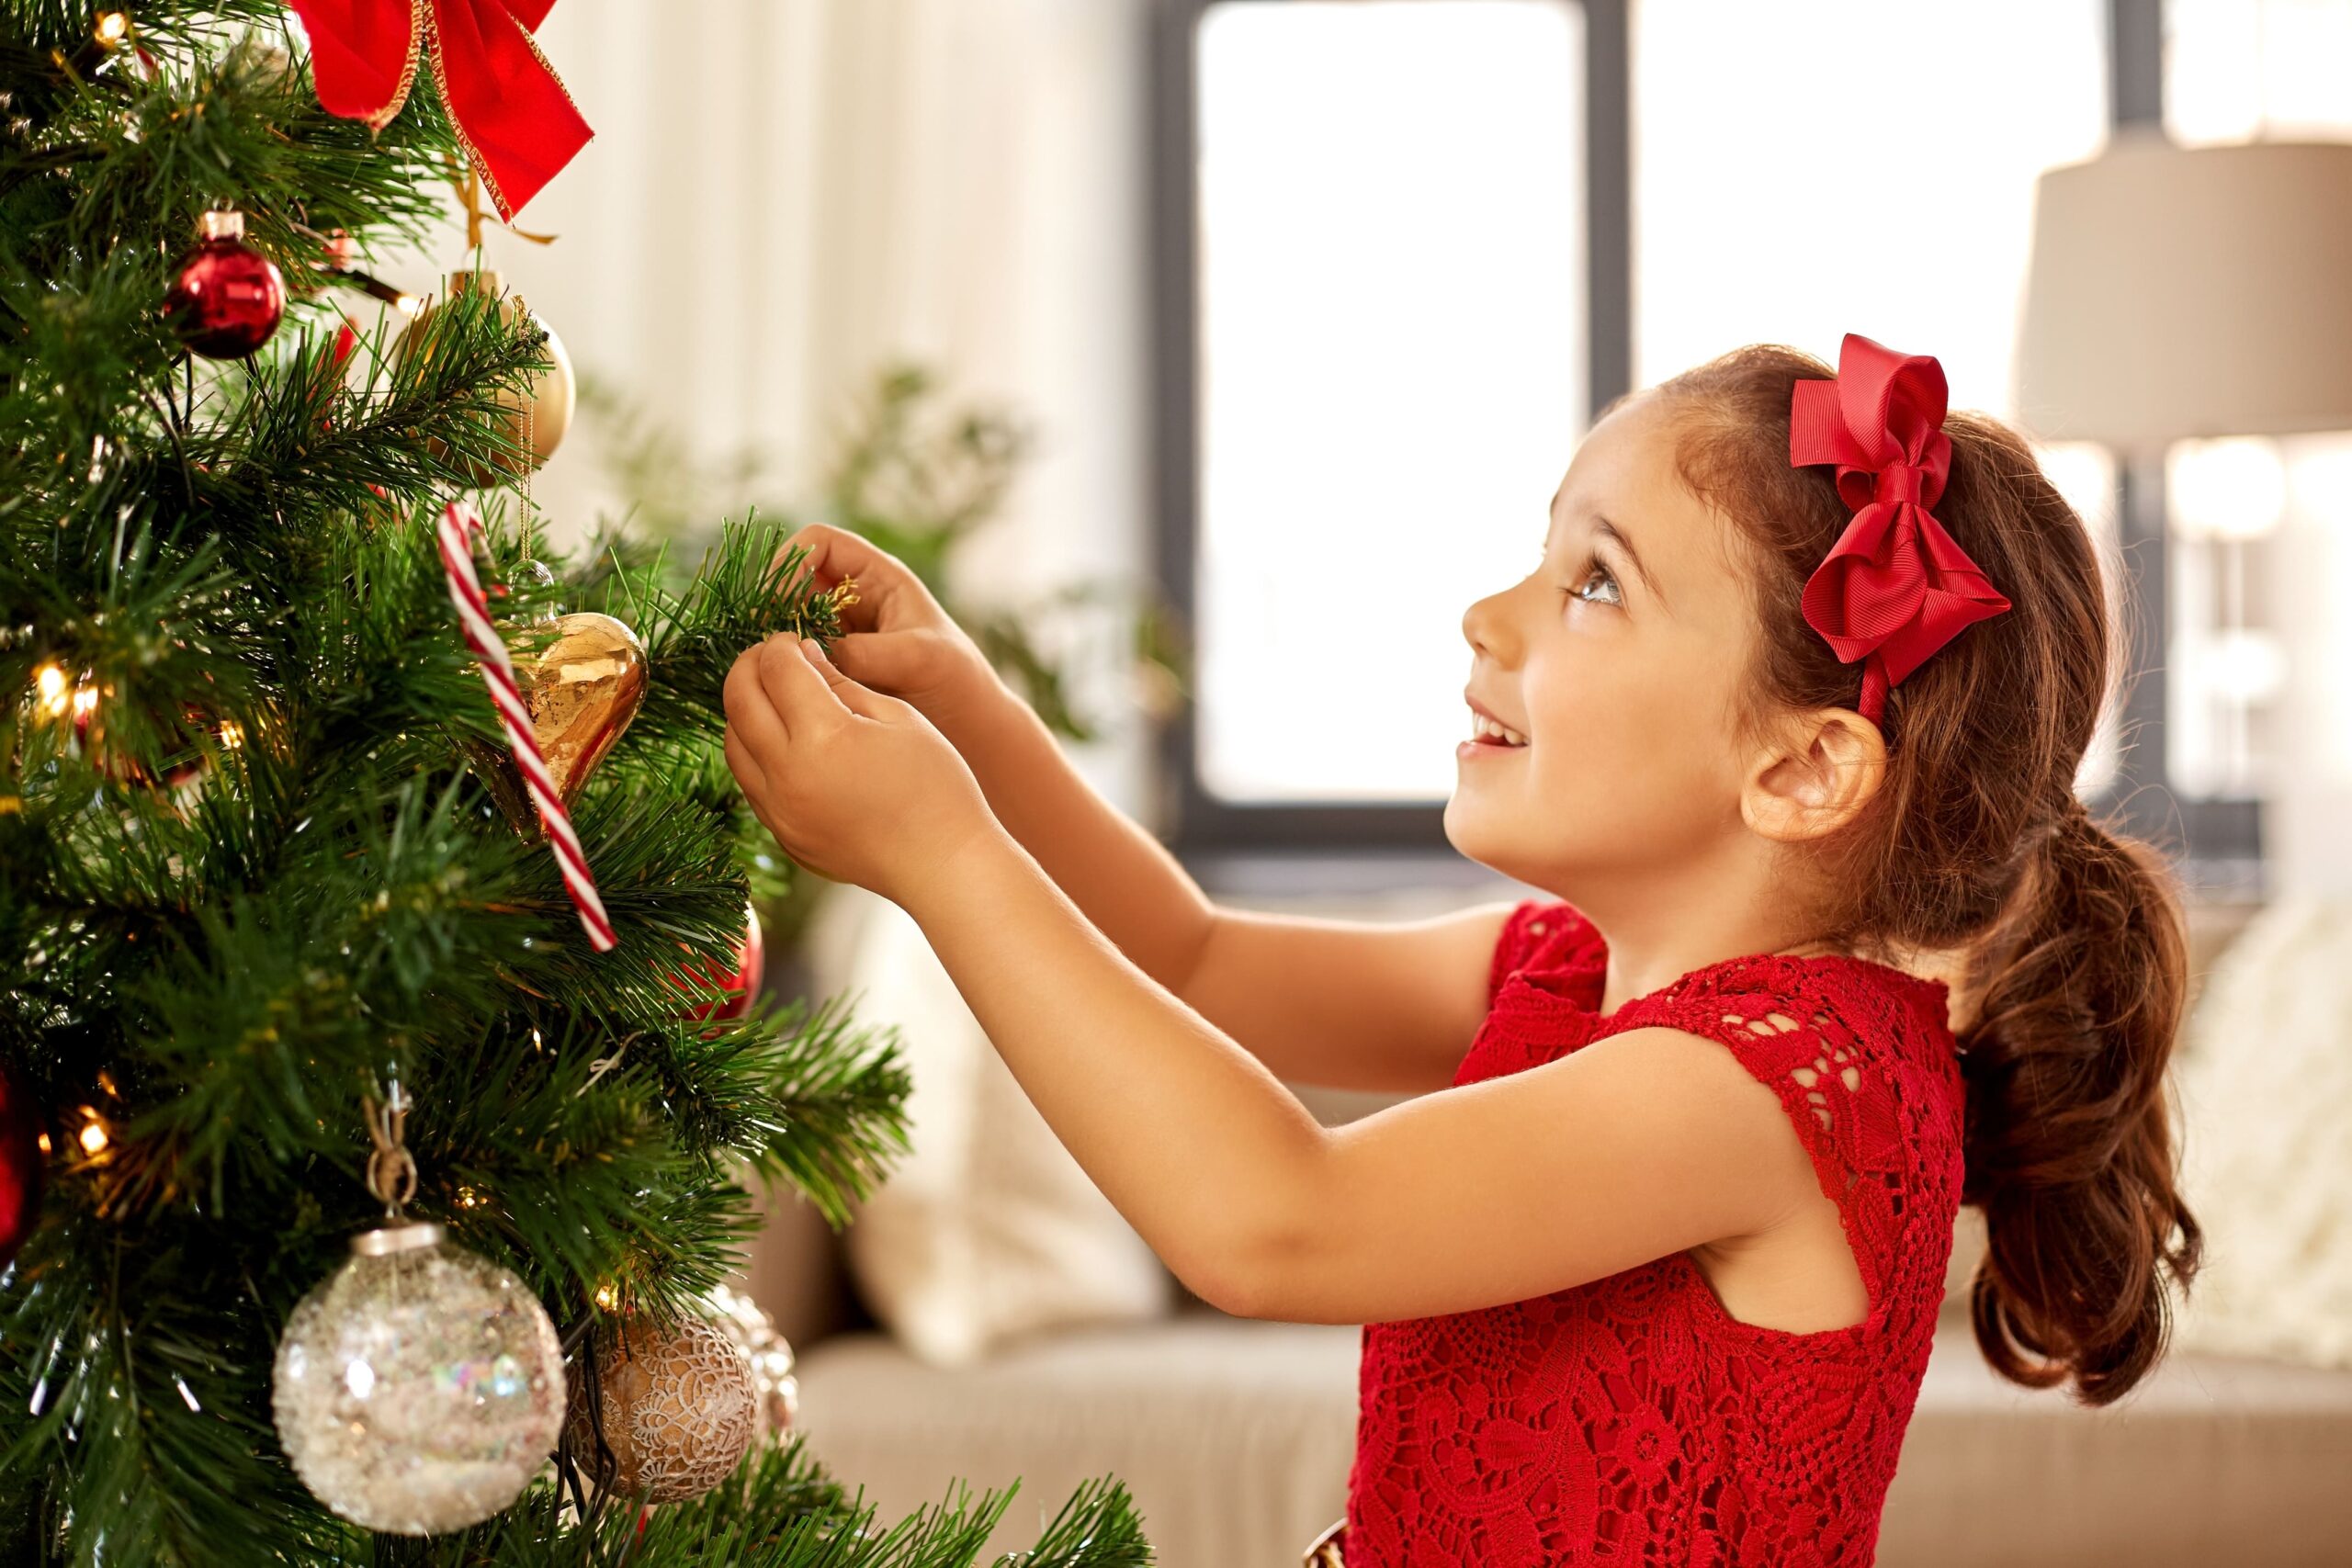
2216	842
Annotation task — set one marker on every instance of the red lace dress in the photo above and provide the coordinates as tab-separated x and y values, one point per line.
1632	1419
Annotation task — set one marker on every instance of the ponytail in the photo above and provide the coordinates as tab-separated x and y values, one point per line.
2068	1143
1979	847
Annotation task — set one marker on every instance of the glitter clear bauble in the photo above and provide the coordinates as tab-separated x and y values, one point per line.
679	1410
753	1333
419	1387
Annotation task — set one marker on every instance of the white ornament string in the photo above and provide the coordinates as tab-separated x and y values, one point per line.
459	524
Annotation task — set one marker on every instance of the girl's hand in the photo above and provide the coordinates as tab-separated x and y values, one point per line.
900	641
855	785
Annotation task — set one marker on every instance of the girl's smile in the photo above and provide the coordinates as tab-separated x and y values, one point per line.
1487	733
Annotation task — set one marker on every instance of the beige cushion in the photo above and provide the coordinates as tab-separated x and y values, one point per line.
2265	1091
988	1230
1233	1436
2210	1460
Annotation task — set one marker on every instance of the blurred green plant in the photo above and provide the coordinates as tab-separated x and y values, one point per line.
917	478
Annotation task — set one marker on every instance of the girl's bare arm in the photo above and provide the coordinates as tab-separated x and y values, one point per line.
1640	1145
1347	1004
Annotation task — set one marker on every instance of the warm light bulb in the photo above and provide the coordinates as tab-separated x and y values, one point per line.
408	304
49	687
84	699
93	1136
112	26
233	734
604	1298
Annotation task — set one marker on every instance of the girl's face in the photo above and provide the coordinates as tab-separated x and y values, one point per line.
1617	658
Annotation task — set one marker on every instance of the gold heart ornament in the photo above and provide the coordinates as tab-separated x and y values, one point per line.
581	688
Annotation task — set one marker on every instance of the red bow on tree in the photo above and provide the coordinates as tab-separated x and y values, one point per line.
1894	587
515	120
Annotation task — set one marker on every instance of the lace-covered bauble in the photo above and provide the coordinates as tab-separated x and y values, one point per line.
419	1387
677	1404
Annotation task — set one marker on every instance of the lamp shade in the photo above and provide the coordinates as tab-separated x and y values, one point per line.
2179	292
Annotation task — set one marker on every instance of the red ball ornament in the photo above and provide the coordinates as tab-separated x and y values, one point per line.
228	296
750	957
21	1163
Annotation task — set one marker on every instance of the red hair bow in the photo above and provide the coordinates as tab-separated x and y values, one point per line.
1894	587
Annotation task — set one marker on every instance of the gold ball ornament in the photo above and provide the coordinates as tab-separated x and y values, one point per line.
531	422
678	1408
753	1333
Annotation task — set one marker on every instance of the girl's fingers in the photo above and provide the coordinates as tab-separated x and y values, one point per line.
745	766
850	695
889	662
749	709
799	694
885	591
834	553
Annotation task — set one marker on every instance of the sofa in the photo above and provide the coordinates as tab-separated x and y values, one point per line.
1235	1436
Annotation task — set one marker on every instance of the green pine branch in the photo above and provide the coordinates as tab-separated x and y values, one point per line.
253	862
783	1510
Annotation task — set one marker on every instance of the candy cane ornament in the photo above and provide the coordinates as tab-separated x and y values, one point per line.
459	524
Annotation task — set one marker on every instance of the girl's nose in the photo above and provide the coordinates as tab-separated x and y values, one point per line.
1485	625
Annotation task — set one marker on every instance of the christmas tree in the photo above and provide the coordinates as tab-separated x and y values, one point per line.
380	1114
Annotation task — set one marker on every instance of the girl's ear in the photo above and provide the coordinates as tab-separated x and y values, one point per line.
1822	769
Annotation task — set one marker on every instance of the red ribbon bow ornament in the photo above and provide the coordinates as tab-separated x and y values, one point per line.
1894	587
518	125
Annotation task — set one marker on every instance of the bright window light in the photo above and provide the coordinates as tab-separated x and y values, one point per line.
1392	370
2260	653
1808	168
2257	70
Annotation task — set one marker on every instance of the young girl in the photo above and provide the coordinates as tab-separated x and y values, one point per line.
1655	1277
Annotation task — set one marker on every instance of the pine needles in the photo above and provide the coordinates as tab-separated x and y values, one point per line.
250	868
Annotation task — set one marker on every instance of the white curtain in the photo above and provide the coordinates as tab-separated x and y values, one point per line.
783	194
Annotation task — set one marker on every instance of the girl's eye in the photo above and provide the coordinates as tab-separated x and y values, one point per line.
1616	594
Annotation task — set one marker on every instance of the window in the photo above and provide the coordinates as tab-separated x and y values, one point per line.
1372	215
1881	182
1389	271
2259	699
1814	167
1391	366
2248	70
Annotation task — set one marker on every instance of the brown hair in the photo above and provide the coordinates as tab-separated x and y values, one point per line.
2070	935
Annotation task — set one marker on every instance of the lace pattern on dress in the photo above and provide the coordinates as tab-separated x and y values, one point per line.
1632	1419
